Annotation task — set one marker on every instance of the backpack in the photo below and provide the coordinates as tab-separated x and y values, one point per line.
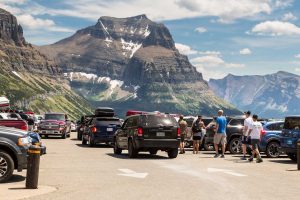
196	127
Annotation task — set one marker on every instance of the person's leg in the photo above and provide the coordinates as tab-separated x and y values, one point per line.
197	146
180	147
216	144
194	146
223	143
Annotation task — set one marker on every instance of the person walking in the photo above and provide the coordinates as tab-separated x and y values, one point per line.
30	122
183	129
255	133
197	127
220	134
245	139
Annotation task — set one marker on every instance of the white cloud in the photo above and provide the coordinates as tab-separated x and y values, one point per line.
297	69
214	61
283	3
276	28
33	23
201	30
185	49
214	53
289	17
225	10
245	51
297	56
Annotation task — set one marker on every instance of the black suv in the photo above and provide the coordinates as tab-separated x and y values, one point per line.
290	136
148	133
14	145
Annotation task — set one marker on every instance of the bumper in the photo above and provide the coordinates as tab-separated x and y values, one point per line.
158	144
50	132
288	145
103	139
22	160
288	150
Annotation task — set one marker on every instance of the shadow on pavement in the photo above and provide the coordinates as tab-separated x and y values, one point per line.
139	157
287	161
95	146
16	178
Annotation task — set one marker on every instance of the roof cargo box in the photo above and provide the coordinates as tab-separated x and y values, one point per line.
104	112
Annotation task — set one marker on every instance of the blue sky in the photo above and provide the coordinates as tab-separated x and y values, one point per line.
241	37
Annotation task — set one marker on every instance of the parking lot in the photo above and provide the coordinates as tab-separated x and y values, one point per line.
72	171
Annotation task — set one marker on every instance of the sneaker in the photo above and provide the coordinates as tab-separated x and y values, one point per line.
222	156
250	159
180	152
243	158
259	160
216	155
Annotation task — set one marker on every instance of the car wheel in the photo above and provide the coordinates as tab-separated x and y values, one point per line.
292	156
83	141
6	166
172	153
272	150
153	151
235	146
209	147
91	142
132	152
117	150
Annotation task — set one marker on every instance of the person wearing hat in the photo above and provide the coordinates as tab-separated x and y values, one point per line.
245	139
255	132
183	129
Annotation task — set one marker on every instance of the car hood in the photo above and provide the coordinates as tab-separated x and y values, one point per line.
61	122
12	131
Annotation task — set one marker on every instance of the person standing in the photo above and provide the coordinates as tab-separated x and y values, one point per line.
183	129
255	133
197	127
220	134
245	139
30	122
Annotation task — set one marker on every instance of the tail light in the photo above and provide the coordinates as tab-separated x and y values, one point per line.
24	127
94	129
178	132
263	132
140	132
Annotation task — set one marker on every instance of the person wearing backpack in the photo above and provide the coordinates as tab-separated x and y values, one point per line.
197	133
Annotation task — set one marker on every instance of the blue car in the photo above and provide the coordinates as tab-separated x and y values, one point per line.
100	130
290	136
270	140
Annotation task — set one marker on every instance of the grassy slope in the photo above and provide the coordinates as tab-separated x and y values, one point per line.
42	94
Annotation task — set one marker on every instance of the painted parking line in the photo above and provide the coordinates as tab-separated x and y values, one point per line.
131	173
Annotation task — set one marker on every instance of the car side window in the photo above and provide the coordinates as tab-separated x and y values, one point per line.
135	121
236	122
271	127
128	123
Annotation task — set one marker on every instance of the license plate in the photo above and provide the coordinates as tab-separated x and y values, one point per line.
160	134
50	132
289	142
110	129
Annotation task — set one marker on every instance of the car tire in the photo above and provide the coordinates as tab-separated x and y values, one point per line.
117	150
292	156
272	150
64	135
83	141
235	146
153	151
172	153
132	152
6	166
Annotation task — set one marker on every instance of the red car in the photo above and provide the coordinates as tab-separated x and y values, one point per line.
55	124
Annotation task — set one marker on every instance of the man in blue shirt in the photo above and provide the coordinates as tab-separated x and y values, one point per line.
220	133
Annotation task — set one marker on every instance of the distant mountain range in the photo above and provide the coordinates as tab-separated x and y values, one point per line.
132	63
275	95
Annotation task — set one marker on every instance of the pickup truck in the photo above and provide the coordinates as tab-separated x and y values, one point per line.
14	145
16	123
55	124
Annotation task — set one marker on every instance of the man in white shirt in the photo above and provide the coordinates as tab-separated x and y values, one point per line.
255	133
245	139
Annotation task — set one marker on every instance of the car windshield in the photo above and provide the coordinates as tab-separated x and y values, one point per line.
292	123
55	117
158	120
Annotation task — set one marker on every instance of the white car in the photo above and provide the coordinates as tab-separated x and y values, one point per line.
73	127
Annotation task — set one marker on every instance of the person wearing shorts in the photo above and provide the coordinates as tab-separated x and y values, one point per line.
183	128
255	133
197	127
245	139
220	134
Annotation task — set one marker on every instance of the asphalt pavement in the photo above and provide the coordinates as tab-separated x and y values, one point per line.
72	171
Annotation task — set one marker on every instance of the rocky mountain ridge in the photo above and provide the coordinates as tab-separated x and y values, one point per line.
273	95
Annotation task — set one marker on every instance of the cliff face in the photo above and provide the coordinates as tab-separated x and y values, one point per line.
18	55
132	63
274	95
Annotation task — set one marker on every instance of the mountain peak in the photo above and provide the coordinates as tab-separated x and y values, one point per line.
137	17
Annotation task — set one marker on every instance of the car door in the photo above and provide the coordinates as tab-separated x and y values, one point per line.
122	136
